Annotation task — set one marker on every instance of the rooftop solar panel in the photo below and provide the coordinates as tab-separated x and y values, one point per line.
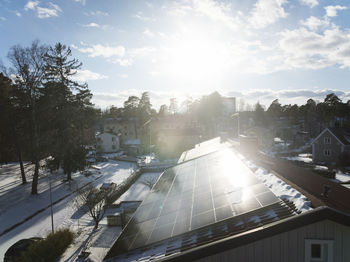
192	195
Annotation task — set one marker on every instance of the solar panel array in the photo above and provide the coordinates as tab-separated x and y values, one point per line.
192	195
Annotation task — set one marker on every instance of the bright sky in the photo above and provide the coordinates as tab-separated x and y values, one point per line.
258	50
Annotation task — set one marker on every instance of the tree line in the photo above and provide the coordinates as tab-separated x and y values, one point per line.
44	111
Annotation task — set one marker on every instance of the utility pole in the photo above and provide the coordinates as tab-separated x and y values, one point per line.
234	115
52	227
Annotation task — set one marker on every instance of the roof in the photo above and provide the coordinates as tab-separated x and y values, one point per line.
342	134
203	148
205	199
268	230
180	132
132	142
172	250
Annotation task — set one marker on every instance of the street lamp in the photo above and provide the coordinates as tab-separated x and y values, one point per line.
234	115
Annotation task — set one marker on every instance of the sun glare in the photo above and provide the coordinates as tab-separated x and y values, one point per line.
194	54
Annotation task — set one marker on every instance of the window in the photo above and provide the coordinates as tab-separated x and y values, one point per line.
327	140
318	250
113	138
327	152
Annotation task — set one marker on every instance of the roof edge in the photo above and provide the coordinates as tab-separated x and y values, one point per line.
269	230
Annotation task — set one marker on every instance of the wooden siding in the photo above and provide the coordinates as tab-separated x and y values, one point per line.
319	146
289	246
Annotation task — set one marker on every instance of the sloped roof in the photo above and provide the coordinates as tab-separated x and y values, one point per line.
342	134
199	201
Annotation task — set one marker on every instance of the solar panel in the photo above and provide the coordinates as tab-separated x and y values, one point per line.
192	195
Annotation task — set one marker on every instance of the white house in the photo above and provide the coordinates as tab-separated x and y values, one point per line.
107	142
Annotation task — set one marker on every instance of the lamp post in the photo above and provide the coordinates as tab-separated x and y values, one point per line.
148	122
234	115
52	227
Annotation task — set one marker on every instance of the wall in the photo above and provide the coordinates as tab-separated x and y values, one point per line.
335	146
289	246
105	143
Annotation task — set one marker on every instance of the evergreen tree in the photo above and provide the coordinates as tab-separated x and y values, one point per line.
12	130
68	105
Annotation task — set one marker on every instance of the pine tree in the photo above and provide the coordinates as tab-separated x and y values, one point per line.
67	103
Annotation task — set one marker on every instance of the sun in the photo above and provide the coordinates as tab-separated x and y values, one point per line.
195	53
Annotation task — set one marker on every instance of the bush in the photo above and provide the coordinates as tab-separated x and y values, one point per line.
48	249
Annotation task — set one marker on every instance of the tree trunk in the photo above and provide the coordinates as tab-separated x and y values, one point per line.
35	149
23	175
35	178
19	154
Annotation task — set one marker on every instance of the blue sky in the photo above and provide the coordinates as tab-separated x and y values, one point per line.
255	50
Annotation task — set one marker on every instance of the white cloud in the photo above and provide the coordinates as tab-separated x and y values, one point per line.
123	75
142	17
2	18
97	13
83	2
331	10
267	12
31	5
51	10
85	75
314	23
104	51
148	33
214	10
288	95
18	14
306	49
311	3
92	25
123	61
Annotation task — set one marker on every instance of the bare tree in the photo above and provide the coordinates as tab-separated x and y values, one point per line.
149	181
93	201
28	68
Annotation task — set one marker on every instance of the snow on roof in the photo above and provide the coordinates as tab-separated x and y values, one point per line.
280	188
132	142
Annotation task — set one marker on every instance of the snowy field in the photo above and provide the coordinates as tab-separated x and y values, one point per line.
16	202
307	158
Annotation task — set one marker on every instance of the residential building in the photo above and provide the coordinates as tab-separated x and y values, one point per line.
126	129
211	207
330	144
229	105
107	143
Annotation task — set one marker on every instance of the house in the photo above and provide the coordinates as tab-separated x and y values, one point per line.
264	135
211	207
328	146
133	147
229	105
107	143
125	128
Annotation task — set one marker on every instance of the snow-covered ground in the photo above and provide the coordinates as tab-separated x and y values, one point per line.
342	177
279	187
138	191
307	158
16	203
